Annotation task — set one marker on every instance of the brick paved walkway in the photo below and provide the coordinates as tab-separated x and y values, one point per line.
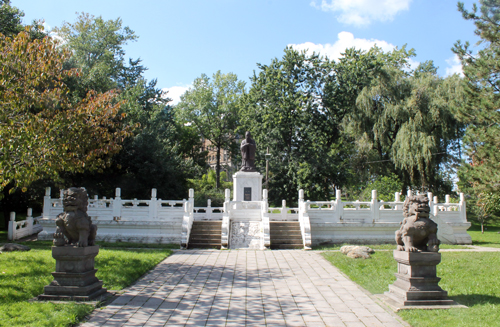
238	288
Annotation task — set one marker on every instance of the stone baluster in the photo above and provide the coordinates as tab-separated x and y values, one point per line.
339	208
11	235
302	209
47	203
397	198
153	205
209	209
462	208
447	201
227	198
375	209
29	221
283	210
117	204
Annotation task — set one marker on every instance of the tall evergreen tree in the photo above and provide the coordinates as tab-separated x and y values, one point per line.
481	108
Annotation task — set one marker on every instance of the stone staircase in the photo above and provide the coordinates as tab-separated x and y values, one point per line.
205	235
286	235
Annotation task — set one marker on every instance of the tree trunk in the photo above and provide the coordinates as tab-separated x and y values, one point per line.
217	169
482	227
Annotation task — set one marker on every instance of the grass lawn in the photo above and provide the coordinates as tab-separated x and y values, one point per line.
490	238
471	278
24	274
333	247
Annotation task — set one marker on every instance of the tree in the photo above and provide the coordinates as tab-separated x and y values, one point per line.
10	19
403	121
11	22
482	85
42	131
151	157
212	107
97	45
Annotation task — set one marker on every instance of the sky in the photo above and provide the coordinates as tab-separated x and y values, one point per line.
181	39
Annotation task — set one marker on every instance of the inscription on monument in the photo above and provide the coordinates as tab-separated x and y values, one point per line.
247	194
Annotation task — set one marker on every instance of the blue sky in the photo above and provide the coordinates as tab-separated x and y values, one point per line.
181	39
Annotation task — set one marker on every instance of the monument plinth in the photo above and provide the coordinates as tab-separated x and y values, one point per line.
247	186
416	281
74	278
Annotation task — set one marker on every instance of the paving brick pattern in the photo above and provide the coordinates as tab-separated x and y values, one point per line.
238	288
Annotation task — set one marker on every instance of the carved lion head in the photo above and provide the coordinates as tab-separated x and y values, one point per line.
75	198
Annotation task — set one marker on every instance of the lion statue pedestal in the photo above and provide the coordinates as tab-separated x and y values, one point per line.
417	255
74	250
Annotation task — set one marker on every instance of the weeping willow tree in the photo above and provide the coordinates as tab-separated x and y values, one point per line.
403	122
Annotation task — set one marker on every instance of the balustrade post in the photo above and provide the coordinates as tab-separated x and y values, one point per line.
375	209
283	210
339	207
153	205
397	198
432	204
208	213
46	203
447	201
227	197
29	221
12	227
117	204
463	209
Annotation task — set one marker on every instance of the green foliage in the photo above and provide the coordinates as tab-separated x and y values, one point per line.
467	277
42	131
386	186
153	156
10	19
211	106
292	108
205	188
97	45
403	123
480	111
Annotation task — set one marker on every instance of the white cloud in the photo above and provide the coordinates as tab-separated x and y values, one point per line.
455	66
175	93
363	12
345	41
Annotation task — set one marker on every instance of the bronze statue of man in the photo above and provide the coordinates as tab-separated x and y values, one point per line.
248	148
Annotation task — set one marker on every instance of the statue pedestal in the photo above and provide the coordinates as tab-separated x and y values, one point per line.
74	278
417	283
247	186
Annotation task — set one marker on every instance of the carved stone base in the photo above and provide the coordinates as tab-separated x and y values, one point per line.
417	283
74	278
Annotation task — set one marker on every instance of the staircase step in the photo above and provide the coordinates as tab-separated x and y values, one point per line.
286	233
204	245
286	246
205	235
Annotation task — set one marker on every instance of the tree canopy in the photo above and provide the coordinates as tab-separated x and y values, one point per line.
211	105
481	107
42	131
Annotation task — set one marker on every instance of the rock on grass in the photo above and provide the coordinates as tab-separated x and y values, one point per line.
355	252
14	247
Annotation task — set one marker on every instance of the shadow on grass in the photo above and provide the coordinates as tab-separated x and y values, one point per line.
471	300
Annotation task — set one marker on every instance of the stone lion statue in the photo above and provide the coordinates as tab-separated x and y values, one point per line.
74	223
418	231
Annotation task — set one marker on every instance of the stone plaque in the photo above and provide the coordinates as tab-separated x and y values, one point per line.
247	194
